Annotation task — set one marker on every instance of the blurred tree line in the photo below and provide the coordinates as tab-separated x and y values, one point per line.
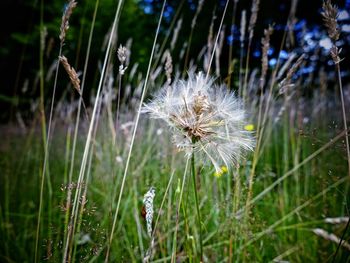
21	36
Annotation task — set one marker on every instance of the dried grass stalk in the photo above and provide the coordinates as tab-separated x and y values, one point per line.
330	15
176	33
264	59
337	220
243	27
331	237
253	18
199	9
286	82
218	51
168	66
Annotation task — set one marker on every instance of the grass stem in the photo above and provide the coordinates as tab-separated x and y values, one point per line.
197	206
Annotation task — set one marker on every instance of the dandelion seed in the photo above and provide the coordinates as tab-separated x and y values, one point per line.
205	119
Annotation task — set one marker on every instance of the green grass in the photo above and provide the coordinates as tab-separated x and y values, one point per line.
226	235
265	210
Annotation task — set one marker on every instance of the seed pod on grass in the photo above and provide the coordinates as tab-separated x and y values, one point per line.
71	73
148	208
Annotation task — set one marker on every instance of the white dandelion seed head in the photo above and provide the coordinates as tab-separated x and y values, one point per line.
205	119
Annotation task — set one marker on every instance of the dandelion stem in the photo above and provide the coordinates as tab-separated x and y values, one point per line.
197	206
173	254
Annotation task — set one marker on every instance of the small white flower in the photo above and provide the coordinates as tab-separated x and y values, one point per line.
205	118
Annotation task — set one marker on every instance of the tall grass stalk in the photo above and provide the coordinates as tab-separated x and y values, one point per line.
347	147
330	15
195	189
162	203
262	123
343	115
77	121
134	132
171	26
193	24
74	212
120	76
84	195
252	22
46	136
173	253
216	40
230	64
243	26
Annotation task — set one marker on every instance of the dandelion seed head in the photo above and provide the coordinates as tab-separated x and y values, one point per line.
205	119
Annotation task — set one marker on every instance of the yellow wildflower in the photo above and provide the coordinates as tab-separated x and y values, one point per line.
249	127
222	171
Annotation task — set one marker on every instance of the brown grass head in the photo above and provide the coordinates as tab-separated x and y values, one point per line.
168	66
330	15
253	17
243	26
264	59
71	73
65	19
286	82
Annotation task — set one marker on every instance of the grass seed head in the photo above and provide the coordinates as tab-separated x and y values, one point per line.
65	19
123	57
148	203
73	75
330	15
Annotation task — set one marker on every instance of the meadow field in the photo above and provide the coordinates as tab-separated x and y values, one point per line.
212	141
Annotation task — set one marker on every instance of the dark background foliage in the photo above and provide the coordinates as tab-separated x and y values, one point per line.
20	38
